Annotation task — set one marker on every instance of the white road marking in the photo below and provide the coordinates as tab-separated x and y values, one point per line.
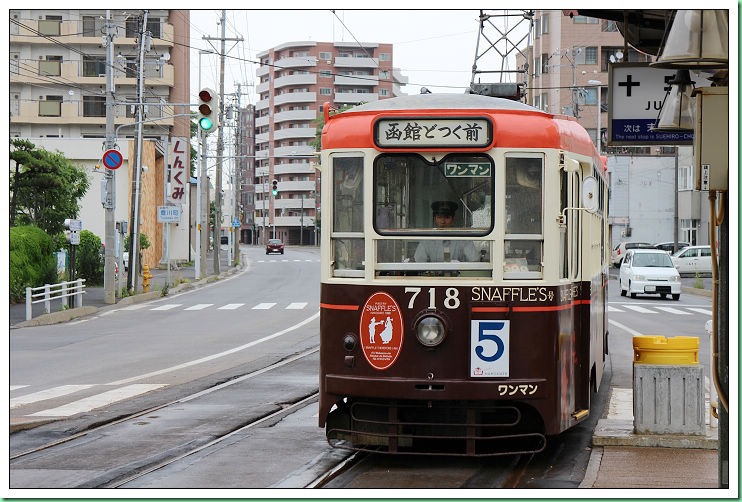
43	395
263	306
16	387
136	306
612	309
168	306
673	310
231	306
637	308
625	328
701	311
296	306
199	306
98	400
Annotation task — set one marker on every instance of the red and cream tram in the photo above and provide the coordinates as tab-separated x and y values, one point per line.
464	272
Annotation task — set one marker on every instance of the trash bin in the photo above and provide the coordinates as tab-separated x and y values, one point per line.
668	386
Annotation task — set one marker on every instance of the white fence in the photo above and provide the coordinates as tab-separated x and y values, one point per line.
60	291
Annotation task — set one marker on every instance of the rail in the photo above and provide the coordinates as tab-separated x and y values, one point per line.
60	291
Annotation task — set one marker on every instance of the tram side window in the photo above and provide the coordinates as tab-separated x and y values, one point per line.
347	218
523	217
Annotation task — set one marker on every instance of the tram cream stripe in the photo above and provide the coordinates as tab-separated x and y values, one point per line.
98	400
42	395
673	310
640	309
220	354
199	306
231	306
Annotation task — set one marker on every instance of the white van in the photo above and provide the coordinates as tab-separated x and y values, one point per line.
693	259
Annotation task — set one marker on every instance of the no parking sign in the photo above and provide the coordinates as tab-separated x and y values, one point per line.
112	159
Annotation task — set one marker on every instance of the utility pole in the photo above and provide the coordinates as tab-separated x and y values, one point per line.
237	179
131	282
109	204
220	142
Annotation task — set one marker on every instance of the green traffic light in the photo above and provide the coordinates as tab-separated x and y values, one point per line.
205	123
274	192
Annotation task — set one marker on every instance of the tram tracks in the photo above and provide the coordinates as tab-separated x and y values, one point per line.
124	450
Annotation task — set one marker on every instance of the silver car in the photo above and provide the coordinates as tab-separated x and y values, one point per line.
693	260
649	272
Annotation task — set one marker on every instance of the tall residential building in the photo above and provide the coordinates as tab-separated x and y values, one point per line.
57	87
297	80
570	55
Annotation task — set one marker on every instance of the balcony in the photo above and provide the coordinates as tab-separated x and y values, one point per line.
296	62
300	79
357	80
294	133
348	62
294	115
295	97
355	97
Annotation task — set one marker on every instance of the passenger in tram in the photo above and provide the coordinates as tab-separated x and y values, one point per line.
445	250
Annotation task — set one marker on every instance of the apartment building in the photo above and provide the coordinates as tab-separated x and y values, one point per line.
297	80
57	88
568	75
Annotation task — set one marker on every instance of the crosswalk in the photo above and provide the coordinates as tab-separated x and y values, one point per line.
212	306
657	309
81	401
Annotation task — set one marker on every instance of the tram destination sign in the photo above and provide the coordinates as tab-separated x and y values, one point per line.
431	132
635	97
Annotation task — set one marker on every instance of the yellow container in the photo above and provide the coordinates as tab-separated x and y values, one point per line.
661	350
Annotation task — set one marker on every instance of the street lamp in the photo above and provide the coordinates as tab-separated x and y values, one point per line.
599	134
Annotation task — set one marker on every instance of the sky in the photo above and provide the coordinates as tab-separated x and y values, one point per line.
432	48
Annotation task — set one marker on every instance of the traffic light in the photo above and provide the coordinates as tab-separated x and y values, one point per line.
208	110
274	190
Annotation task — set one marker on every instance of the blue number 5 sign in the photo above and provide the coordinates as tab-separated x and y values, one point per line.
490	344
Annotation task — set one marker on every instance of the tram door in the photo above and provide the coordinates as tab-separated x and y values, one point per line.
570	254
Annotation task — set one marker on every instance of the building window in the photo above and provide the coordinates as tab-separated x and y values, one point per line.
325	56
383	92
544	63
544	24
586	55
93	106
92	26
93	66
325	73
685	178
384	56
51	107
384	74
585	20
153	26
325	91
537	66
537	28
545	102
608	26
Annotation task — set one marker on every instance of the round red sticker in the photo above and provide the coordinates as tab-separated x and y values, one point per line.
381	330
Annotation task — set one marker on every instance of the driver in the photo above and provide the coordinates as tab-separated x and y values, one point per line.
444	212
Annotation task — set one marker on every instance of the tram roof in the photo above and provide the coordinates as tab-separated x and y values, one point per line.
443	101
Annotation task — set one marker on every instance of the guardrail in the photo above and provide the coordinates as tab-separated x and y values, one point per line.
60	291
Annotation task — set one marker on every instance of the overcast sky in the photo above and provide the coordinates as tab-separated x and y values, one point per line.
432	48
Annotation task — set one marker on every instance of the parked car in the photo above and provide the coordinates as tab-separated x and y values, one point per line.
619	251
669	247
649	271
693	259
274	246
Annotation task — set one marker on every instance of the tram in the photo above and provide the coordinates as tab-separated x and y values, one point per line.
464	267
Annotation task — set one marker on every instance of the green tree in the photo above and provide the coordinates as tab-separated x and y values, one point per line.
45	187
32	261
89	258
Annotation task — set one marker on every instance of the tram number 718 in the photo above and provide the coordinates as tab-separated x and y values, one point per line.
451	301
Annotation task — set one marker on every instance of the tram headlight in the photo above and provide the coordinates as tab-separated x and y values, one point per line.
430	331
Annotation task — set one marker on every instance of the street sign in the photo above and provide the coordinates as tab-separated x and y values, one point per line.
168	214
637	91
112	159
235	222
